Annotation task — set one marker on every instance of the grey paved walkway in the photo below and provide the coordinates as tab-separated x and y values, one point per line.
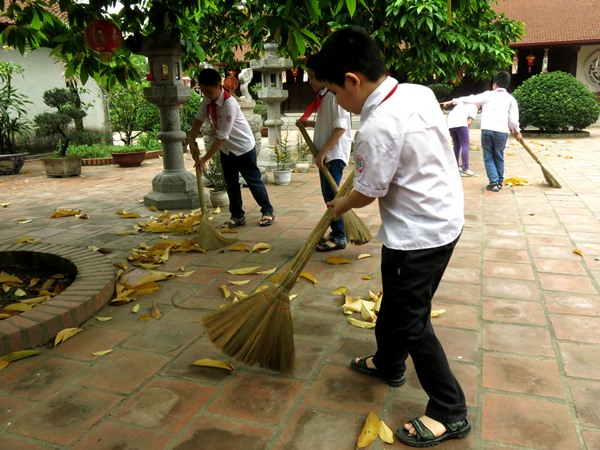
521	327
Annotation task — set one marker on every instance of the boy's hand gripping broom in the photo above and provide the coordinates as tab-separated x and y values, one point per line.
550	179
259	328
356	230
208	238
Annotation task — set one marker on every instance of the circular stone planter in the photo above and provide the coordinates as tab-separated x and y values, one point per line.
538	134
92	288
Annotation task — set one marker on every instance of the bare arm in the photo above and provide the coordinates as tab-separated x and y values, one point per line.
334	137
344	204
195	130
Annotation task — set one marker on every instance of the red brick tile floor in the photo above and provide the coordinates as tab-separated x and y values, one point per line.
521	327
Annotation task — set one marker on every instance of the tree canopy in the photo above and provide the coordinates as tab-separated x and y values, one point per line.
417	38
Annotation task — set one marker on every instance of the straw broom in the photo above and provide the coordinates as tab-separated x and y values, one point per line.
356	230
550	179
208	238
258	329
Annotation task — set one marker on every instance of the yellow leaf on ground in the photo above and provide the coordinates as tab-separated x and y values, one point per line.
144	317
363	256
385	433
20	292
577	251
341	290
243	270
155	313
21	354
64	213
206	362
367	277
121	265
239	283
8	278
336	260
103	319
36	300
352	307
308	276
17	307
267	272
226	292
65	334
102	352
262	247
155	276
437	312
370	430
130	215
135	308
240	247
25	239
3	365
292	297
276	278
360	323
145	265
516	181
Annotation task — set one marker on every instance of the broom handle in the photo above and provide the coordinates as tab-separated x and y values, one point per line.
313	149
533	155
200	189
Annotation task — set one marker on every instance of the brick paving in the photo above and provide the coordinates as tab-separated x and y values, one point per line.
521	327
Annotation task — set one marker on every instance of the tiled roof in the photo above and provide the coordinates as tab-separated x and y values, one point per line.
554	21
54	9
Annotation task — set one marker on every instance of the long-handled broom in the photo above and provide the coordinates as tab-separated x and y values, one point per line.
208	238
356	230
258	329
550	179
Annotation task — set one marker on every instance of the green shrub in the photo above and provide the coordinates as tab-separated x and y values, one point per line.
441	91
556	101
103	150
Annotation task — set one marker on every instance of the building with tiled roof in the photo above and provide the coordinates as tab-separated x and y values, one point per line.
564	34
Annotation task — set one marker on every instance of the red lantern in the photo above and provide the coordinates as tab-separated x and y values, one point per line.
530	59
231	83
103	36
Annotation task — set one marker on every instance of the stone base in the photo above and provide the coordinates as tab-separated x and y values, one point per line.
173	190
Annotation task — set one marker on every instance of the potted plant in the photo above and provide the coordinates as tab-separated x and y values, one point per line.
260	107
302	151
283	158
213	178
133	155
59	123
13	122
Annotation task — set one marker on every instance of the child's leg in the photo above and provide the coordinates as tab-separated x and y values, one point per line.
234	191
336	168
487	144
251	173
455	143
499	146
465	144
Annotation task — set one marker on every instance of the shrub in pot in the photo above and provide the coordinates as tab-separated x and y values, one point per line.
556	101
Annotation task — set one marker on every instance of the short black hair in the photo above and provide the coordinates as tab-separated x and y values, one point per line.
209	77
311	61
502	79
349	49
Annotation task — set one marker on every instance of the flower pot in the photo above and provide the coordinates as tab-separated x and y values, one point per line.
62	167
129	159
282	177
302	166
218	198
10	164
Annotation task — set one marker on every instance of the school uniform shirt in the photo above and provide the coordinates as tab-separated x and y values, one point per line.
404	157
231	125
460	115
330	116
499	110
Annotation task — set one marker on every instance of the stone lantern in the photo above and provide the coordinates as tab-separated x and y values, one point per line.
272	93
174	187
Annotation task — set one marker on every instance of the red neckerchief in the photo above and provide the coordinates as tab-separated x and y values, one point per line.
313	107
389	94
211	108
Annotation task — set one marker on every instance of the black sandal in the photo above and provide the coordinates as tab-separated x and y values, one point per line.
328	245
424	436
361	367
233	222
266	220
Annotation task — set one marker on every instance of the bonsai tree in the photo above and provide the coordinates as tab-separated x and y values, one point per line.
13	104
60	121
556	101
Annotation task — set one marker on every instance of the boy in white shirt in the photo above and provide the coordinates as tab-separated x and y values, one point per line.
499	116
235	141
332	138
403	158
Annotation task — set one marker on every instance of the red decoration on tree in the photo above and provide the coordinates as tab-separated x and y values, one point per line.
231	83
103	36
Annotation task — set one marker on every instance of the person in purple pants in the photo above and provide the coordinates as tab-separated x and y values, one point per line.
459	120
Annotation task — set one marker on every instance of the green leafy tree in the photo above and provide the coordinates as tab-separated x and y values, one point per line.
13	108
556	101
418	40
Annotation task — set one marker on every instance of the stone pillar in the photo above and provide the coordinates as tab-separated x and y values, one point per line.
174	187
272	93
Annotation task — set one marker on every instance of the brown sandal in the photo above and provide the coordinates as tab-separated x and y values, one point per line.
233	222
266	220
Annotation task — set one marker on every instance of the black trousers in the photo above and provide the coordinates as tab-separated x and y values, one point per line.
410	279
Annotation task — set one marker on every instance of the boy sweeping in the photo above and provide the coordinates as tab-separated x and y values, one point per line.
404	159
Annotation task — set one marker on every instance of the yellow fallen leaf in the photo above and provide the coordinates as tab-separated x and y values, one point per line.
577	251
152	208
64	213
135	308
36	300
3	365
206	362
239	283
292	297
308	276
340	290
367	314
23	220
187	273
243	271
103	319
33	282
385	433
226	292
370	430
240	295
155	313
217	210
360	323
65	334
8	278
262	247
437	312
367	277
144	317
276	278
336	260
26	239
363	256
267	272
240	247
20	292
102	352
568	157
145	265
352	307
155	276
21	354
17	307
130	215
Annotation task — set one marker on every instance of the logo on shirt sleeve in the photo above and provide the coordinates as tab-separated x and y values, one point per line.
228	118
360	163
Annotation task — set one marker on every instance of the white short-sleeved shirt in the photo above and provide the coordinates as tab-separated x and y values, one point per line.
460	115
404	157
330	116
231	125
499	110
